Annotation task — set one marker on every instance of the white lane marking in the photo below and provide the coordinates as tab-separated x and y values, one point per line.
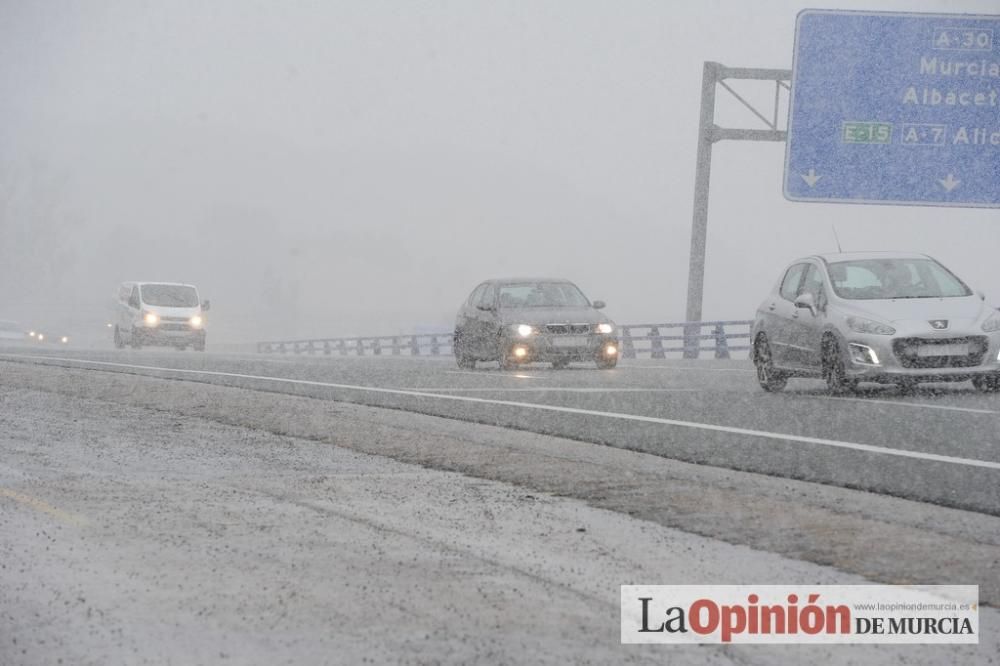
921	405
552	389
687	369
484	374
763	434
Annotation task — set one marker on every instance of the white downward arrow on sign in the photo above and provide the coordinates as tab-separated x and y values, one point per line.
811	178
950	182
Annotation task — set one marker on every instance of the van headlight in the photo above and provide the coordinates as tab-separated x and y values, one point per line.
860	325
524	330
992	324
151	319
606	329
196	321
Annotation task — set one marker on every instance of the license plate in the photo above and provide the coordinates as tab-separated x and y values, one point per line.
570	341
943	350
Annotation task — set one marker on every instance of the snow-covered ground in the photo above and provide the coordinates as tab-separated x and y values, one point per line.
135	526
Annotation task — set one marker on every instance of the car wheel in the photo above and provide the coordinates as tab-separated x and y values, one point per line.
119	341
834	372
199	346
987	384
134	341
559	365
769	379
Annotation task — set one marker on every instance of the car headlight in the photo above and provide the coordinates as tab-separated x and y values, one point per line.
196	321
151	318
605	329
524	330
861	325
992	324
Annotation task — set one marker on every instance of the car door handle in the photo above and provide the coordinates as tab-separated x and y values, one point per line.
771	308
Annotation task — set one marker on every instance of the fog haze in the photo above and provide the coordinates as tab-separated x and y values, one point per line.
336	168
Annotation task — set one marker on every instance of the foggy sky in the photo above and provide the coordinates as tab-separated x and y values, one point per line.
335	168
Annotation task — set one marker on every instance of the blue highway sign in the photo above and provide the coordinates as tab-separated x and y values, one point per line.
895	108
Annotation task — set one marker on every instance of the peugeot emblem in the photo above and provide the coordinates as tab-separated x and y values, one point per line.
939	324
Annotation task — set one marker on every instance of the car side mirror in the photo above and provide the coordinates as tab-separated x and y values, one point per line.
206	304
599	305
806	301
981	295
487	308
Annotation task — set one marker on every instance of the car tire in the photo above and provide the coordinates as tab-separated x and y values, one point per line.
559	365
769	379
834	372
119	341
987	383
134	341
199	346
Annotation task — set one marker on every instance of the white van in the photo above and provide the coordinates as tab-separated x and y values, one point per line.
159	313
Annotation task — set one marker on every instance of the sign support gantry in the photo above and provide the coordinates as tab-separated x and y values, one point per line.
715	74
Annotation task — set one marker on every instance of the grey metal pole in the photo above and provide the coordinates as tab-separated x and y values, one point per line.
699	222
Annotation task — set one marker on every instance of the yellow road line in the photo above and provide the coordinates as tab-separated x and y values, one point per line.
44	507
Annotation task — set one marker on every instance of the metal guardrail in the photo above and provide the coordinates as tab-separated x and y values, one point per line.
635	339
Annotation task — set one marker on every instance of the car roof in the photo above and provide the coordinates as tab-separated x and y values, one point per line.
526	279
168	284
833	257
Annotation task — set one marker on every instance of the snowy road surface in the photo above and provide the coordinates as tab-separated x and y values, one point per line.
940	445
152	520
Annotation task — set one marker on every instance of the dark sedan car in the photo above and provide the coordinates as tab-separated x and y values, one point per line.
518	321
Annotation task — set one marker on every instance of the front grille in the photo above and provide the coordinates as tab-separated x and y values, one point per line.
174	326
906	351
568	329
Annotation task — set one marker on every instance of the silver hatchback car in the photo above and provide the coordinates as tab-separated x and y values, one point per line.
875	317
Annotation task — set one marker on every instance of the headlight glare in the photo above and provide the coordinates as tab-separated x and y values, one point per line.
992	324
524	330
196	321
860	325
605	328
151	319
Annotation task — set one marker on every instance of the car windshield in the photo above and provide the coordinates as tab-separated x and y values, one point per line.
542	295
169	295
871	279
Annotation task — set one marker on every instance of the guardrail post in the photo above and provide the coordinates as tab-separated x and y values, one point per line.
628	347
435	348
281	348
656	343
310	348
326	347
721	345
376	346
295	348
342	347
414	346
395	346
360	347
